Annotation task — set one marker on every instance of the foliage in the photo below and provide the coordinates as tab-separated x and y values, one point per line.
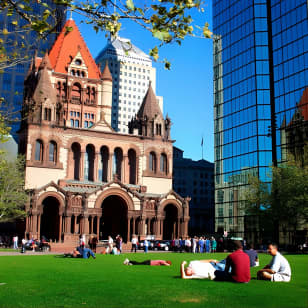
285	200
12	194
4	130
106	282
167	20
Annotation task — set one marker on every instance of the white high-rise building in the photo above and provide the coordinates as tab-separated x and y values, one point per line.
131	71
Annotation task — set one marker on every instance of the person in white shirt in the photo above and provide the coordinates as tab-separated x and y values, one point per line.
134	243
278	269
110	244
201	269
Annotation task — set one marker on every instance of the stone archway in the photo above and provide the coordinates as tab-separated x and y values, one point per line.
170	222
114	219
50	220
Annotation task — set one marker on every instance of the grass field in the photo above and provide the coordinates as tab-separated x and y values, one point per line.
53	281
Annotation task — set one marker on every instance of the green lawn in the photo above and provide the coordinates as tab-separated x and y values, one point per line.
51	281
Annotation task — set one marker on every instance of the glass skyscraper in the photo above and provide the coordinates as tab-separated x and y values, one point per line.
260	96
12	78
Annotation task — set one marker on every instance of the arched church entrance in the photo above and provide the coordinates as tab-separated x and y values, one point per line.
114	218
170	222
50	221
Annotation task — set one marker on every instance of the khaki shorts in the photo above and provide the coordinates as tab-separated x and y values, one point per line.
280	277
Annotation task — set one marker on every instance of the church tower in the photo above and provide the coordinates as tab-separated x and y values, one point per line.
83	177
149	121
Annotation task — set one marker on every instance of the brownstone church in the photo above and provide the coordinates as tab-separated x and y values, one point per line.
83	177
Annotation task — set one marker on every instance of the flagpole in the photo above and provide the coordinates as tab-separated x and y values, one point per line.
202	146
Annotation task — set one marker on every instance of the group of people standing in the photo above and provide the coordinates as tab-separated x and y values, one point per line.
194	244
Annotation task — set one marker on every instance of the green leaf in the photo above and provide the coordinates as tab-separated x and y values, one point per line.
162	35
130	5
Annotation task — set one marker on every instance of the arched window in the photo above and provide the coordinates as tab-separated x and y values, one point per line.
76	93
59	88
163	163
52	151
132	166
93	96
76	157
39	152
152	162
89	163
117	162
47	114
88	94
103	165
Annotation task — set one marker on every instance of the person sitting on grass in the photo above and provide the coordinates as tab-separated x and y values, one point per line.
278	269
148	262
252	254
239	263
201	269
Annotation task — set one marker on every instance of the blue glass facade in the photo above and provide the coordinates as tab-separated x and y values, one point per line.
260	74
12	79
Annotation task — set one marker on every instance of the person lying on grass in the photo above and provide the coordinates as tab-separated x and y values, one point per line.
202	269
148	262
79	252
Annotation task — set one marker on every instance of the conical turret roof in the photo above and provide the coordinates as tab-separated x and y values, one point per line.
149	106
66	47
44	89
106	75
45	63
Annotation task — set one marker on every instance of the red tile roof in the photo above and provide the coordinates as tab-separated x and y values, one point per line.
66	47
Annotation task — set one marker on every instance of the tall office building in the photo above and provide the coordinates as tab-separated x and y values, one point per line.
131	71
195	179
260	96
12	79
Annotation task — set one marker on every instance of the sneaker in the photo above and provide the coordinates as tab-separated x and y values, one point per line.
126	262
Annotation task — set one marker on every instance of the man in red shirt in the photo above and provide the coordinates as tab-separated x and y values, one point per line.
239	263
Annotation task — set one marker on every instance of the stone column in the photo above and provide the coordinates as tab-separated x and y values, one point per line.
81	167
27	223
128	228
68	220
97	226
142	227
60	227
162	227
134	225
125	170
179	228
39	226
95	175
109	176
86	224
34	224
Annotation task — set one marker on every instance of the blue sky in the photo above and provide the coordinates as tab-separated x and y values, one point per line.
187	88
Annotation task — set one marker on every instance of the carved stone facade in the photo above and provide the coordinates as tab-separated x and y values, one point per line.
82	176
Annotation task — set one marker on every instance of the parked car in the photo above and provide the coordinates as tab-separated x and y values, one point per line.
162	245
151	245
